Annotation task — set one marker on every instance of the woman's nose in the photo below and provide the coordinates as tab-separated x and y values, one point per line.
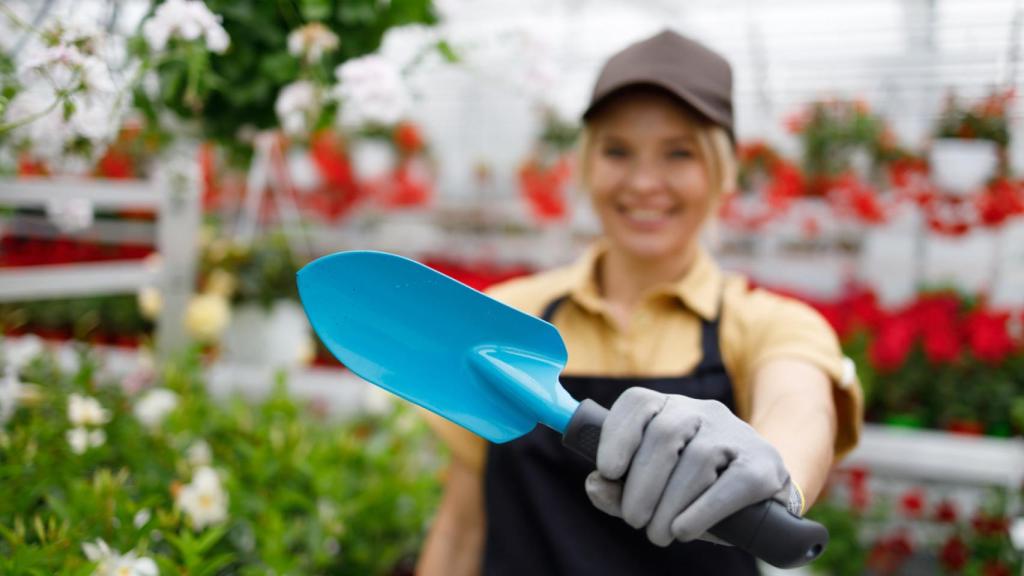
645	176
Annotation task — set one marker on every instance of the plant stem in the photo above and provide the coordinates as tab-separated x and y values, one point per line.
4	128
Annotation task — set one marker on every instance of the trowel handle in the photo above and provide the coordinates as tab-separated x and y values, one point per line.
766	529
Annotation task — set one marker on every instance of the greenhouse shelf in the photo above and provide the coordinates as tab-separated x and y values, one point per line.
128	194
172	193
75	280
930	455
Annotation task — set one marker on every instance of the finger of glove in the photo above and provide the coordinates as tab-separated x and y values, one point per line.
623	430
605	494
736	488
663	441
695	472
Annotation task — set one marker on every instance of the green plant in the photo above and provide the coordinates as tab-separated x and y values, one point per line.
238	89
301	494
260	272
988	119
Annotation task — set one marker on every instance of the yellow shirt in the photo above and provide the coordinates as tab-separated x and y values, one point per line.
663	338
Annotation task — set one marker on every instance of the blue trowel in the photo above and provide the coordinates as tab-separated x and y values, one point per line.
487	367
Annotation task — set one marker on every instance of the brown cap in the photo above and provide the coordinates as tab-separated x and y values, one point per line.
684	67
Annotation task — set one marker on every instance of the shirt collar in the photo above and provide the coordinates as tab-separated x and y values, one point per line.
699	289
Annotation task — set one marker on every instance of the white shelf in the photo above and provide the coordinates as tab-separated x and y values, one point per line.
938	456
72	280
120	194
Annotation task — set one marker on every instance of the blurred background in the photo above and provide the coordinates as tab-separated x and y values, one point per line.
166	167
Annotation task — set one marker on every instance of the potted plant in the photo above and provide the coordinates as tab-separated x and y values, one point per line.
971	143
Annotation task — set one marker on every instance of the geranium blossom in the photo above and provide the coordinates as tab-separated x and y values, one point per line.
297	107
187	20
86	411
154	406
81	439
371	92
110	562
204	499
312	41
69	108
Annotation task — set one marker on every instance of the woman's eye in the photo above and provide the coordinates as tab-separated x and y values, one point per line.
616	152
680	153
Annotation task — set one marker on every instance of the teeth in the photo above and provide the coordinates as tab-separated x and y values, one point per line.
646	215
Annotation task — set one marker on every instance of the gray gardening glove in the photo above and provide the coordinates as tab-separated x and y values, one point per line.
678	466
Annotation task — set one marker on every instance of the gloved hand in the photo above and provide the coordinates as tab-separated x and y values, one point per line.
678	466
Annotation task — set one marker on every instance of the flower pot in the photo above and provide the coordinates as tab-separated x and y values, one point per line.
961	166
279	336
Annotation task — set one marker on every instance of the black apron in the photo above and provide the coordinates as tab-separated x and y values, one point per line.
539	518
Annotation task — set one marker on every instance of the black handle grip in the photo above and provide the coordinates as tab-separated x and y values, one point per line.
766	529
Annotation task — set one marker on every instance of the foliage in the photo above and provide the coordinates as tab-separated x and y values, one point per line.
985	120
238	89
918	531
260	272
304	495
832	132
101	318
942	361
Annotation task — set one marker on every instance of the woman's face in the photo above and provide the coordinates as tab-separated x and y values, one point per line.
647	182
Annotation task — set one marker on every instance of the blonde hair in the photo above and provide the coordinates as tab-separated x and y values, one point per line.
714	147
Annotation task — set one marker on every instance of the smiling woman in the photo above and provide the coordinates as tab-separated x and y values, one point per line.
720	395
655	171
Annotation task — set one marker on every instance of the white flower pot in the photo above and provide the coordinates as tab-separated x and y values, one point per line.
961	166
278	337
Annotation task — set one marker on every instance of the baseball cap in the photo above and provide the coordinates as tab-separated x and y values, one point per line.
685	68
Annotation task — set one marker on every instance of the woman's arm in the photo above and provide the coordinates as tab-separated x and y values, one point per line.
454	546
792	407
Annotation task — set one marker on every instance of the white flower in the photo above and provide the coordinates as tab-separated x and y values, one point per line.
199	454
312	41
154	406
220	282
206	316
371	92
10	390
86	411
297	107
69	107
110	562
150	302
204	499
403	45
22	350
188	20
141	518
81	439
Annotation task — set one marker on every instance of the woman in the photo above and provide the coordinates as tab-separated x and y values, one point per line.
720	395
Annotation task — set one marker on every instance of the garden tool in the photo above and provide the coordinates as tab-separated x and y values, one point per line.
487	367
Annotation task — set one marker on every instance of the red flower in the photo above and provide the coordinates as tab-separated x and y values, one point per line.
1000	202
995	568
864	310
954	554
858	477
889	554
942	346
946	512
860	499
912	502
988	337
892	344
408	138
990	525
